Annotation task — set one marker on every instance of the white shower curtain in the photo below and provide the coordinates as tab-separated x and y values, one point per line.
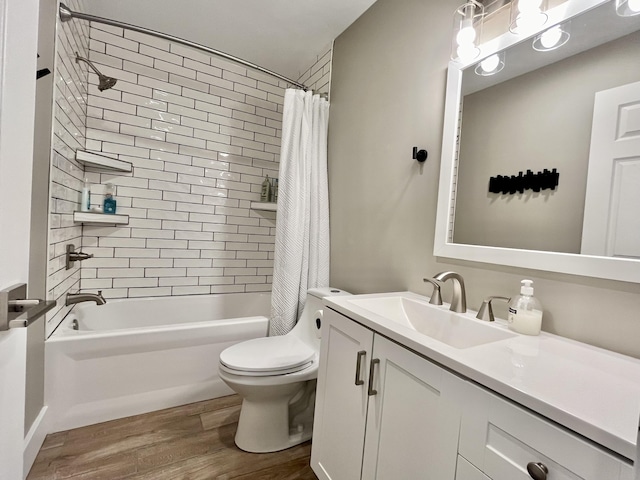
302	226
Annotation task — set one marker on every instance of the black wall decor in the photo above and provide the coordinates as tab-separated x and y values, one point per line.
529	181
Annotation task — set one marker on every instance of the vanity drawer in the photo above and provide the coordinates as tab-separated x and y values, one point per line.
501	439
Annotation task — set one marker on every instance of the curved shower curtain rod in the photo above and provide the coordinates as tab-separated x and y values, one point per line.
67	14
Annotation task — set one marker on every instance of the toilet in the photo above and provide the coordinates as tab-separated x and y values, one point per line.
276	378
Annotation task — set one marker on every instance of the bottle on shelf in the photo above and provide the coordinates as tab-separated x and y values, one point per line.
85	201
109	202
265	192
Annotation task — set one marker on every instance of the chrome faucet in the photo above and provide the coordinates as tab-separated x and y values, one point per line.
459	298
85	297
486	310
436	298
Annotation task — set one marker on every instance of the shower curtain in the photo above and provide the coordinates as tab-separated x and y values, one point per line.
302	226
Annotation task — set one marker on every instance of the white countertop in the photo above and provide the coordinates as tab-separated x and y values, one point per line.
589	390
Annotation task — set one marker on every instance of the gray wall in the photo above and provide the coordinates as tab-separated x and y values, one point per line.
535	121
387	95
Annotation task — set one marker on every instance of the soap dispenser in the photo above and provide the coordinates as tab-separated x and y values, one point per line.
525	311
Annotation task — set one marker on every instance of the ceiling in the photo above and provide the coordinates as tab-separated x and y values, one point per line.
281	35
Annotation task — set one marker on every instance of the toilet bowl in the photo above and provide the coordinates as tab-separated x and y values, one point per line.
276	378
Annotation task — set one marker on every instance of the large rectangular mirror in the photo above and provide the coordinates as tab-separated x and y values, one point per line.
575	109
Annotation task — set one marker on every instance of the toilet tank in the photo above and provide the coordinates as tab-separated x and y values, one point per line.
308	326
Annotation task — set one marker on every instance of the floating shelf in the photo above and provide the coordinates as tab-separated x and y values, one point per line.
89	159
100	218
266	206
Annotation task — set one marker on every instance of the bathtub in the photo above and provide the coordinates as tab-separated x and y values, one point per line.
134	356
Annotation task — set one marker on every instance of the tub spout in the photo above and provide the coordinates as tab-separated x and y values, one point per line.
85	297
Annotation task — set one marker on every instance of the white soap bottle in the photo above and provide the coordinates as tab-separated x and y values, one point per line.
525	311
85	202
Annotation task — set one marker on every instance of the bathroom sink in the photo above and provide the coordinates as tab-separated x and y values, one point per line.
454	329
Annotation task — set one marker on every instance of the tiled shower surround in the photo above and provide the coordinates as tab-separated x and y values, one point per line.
201	134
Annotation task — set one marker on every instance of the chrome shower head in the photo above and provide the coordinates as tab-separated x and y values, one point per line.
104	82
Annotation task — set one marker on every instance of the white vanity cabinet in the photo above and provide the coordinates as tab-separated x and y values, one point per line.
503	440
382	411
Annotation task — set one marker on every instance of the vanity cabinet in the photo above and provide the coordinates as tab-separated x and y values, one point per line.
502	440
382	411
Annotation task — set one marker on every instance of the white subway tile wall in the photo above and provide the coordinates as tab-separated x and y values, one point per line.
318	76
70	94
201	133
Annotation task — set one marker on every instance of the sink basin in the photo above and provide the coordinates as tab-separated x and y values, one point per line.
455	329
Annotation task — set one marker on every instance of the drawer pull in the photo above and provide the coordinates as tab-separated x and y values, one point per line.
537	470
361	354
372	370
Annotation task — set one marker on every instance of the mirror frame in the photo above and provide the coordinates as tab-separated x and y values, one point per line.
612	268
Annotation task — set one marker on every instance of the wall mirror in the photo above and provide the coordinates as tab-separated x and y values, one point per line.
575	109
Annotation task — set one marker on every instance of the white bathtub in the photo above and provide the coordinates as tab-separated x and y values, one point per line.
138	355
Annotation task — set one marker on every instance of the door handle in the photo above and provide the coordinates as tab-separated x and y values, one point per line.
361	354
372	370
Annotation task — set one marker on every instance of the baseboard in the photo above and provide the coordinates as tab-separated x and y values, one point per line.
34	440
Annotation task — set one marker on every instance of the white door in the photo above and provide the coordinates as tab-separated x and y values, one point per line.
18	44
341	399
412	420
611	221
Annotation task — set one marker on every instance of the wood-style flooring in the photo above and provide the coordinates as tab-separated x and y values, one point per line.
193	442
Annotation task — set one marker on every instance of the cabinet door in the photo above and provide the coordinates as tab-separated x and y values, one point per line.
341	405
413	420
466	471
502	439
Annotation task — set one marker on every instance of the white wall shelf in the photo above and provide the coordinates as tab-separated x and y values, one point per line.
266	206
102	218
95	160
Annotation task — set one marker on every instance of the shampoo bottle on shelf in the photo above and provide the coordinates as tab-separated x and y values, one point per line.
265	192
85	202
109	201
525	311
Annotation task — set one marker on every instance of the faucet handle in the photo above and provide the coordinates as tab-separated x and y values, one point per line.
486	309
436	297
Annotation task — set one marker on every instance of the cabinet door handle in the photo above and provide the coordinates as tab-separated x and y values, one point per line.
372	370
537	470
361	354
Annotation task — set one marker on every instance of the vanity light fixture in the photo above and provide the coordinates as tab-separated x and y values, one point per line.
490	65
527	16
628	8
552	38
467	29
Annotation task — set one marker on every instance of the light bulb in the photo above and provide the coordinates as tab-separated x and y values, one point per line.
466	35
489	64
634	5
529	6
552	36
467	51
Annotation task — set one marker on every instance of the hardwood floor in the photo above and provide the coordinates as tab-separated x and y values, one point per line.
193	442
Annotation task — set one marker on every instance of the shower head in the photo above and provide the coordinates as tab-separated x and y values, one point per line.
104	82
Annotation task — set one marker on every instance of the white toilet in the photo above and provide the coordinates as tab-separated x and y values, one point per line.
276	378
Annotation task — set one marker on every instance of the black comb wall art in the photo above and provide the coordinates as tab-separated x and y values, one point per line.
545	180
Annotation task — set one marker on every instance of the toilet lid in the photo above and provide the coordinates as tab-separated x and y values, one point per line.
277	355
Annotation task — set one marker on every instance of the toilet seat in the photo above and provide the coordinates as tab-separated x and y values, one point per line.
267	356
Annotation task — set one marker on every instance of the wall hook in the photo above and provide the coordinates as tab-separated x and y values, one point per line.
420	155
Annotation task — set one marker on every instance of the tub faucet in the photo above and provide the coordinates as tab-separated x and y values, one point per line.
459	298
85	297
